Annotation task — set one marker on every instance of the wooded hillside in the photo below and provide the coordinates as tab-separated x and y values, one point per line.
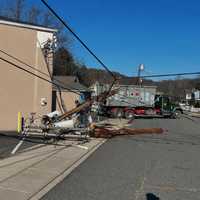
64	64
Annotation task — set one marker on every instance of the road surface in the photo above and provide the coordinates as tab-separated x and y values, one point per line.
165	167
9	140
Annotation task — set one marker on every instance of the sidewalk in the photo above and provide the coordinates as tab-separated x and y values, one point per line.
32	173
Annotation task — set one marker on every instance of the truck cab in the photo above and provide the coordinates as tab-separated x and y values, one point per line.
167	107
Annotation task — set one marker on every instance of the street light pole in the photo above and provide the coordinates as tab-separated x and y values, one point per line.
140	69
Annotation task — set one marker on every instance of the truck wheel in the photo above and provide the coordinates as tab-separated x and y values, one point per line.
177	114
117	113
129	115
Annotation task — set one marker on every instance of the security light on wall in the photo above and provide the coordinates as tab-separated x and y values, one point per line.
43	102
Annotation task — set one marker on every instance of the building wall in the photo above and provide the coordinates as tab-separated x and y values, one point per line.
20	91
68	99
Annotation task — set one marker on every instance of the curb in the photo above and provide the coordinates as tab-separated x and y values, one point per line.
64	174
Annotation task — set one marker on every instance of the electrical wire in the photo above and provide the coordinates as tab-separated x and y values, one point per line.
90	51
175	74
37	70
40	77
22	62
59	100
83	44
78	38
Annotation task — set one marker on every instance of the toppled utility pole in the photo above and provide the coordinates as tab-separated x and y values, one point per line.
88	103
101	132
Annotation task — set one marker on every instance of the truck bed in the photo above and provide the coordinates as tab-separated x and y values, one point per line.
133	96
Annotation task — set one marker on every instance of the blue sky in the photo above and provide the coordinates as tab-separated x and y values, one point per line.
162	34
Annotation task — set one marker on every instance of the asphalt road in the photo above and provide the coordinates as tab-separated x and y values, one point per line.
165	167
8	141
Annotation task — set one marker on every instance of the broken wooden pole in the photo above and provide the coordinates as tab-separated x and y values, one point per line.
100	132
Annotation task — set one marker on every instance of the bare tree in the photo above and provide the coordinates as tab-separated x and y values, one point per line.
14	9
64	40
19	9
34	14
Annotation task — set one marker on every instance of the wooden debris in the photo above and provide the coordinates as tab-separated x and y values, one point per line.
88	103
101	132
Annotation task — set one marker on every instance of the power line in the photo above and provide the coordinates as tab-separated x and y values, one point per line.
176	74
90	51
40	77
37	70
17	59
46	56
79	39
83	44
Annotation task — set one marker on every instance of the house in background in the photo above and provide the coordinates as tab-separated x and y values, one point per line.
19	91
192	95
63	99
98	88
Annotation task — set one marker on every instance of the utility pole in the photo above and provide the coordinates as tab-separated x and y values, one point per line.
140	69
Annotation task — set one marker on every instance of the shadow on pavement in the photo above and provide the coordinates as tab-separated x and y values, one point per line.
150	196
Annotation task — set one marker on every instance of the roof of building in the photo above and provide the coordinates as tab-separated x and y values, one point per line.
70	82
23	24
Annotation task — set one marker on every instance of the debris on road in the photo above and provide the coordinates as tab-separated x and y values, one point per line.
102	132
78	124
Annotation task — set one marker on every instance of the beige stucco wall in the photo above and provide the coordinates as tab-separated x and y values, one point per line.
20	91
68	99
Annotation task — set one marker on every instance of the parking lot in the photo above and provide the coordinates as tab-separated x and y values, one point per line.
144	167
8	141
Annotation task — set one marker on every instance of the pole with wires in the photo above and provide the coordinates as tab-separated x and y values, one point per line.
48	53
82	43
77	37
